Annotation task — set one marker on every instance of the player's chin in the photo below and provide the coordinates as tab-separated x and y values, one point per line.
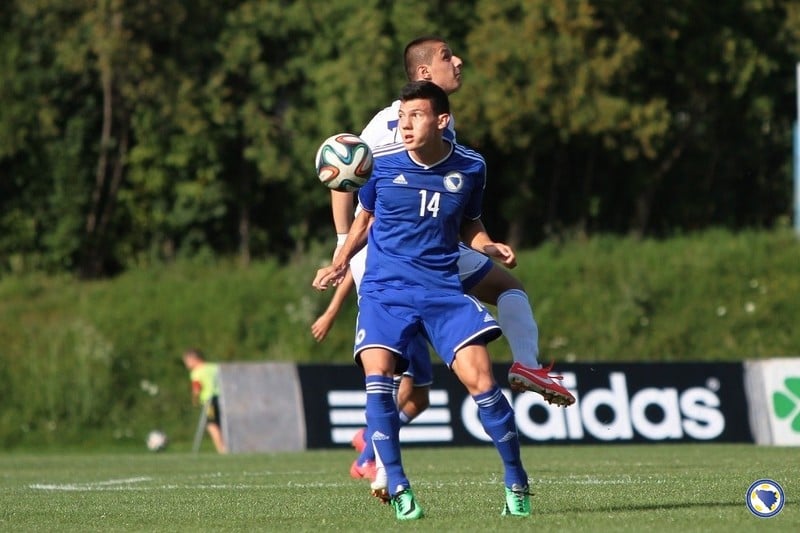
411	143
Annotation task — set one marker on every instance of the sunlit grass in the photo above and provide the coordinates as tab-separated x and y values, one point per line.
577	489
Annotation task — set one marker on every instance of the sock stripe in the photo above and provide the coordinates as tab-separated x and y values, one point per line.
488	398
379	385
379	388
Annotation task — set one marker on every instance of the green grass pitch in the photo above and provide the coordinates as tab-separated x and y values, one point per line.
647	488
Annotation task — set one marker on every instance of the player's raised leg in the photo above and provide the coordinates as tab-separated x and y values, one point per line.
515	316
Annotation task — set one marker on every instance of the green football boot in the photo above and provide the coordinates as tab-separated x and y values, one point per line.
405	506
518	501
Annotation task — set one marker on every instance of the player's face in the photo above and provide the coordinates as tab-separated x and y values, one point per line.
445	68
419	125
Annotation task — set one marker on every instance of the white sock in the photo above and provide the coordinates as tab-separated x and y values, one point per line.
515	316
404	418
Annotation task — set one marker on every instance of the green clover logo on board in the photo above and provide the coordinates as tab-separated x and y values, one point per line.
786	403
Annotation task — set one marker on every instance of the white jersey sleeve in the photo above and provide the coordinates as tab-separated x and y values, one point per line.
382	129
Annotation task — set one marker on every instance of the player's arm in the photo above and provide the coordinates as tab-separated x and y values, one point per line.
324	322
343	203
196	388
474	235
356	239
342	209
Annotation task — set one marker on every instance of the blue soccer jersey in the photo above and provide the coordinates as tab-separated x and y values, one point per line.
419	210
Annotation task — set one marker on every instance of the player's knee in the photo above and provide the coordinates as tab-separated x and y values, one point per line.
496	282
506	281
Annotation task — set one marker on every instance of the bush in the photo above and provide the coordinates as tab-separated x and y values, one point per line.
101	360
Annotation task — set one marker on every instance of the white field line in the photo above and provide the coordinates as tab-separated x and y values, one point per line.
97	485
129	484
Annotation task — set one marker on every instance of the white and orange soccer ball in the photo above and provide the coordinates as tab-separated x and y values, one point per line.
344	162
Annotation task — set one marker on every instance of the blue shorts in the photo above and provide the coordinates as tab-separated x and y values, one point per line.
419	362
450	320
472	268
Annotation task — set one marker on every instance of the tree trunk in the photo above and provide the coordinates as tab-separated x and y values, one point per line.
91	263
644	200
588	181
244	233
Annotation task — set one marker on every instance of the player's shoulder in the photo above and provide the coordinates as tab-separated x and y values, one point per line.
388	159
468	154
388	151
380	130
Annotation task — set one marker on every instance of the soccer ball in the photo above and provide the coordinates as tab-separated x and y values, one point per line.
344	162
156	440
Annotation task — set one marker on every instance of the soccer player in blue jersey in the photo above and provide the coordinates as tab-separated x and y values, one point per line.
423	198
430	58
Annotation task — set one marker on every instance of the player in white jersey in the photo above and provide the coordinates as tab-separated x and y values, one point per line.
423	196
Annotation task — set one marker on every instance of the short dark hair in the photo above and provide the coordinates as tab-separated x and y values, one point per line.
195	352
419	52
426	90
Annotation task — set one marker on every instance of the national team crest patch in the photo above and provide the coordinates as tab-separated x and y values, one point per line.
453	181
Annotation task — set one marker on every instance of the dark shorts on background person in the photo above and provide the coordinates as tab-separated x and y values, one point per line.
213	414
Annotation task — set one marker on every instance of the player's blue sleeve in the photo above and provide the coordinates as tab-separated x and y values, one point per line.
366	195
474	206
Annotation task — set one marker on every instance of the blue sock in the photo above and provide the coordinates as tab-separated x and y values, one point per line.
368	453
384	428
497	419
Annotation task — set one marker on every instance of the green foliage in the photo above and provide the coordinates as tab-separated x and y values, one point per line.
143	132
84	358
715	296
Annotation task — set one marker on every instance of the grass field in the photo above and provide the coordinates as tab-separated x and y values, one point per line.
577	489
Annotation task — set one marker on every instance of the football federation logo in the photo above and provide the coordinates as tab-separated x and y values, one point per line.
453	181
764	498
360	334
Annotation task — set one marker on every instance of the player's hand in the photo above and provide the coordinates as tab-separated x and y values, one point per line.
321	326
328	276
502	252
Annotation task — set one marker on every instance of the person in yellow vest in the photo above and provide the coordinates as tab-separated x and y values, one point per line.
205	392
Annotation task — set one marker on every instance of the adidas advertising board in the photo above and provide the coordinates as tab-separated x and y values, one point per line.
616	403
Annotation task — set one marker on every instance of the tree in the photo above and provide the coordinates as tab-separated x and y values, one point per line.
550	78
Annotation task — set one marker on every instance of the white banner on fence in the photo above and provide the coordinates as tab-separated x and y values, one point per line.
773	392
